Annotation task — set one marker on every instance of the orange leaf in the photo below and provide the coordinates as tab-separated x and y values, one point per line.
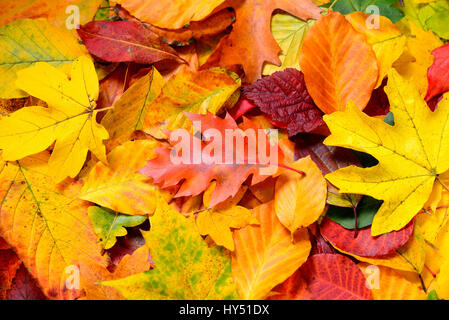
251	43
300	200
265	255
338	64
54	10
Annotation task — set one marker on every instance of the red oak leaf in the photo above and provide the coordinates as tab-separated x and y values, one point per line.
125	41
438	73
284	98
334	277
199	171
365	245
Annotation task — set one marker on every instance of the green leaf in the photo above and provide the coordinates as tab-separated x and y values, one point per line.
433	295
366	209
109	225
186	268
25	42
384	6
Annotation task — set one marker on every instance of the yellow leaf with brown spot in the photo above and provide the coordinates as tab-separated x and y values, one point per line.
48	228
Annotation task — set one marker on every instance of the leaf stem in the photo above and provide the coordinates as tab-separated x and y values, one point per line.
104	109
356	230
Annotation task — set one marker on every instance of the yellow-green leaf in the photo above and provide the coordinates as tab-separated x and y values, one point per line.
411	154
26	42
109	224
70	118
185	267
289	32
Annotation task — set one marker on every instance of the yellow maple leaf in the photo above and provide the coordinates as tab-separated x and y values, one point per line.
411	154
417	57
218	221
70	118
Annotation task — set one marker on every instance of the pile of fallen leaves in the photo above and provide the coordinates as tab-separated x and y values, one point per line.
93	207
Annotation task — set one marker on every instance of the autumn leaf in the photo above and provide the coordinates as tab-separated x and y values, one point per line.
390	284
334	277
438	72
55	11
329	159
196	30
218	221
299	200
129	111
386	40
384	6
289	32
406	171
47	228
294	288
24	287
415	61
185	267
109	224
332	52
265	255
125	41
114	186
172	15
283	97
53	45
70	118
364	244
9	264
251	43
196	177
187	91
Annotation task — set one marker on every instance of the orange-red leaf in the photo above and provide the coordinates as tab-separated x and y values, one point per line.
198	171
334	277
365	245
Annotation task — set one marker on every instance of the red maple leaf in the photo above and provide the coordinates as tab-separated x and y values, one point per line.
195	175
